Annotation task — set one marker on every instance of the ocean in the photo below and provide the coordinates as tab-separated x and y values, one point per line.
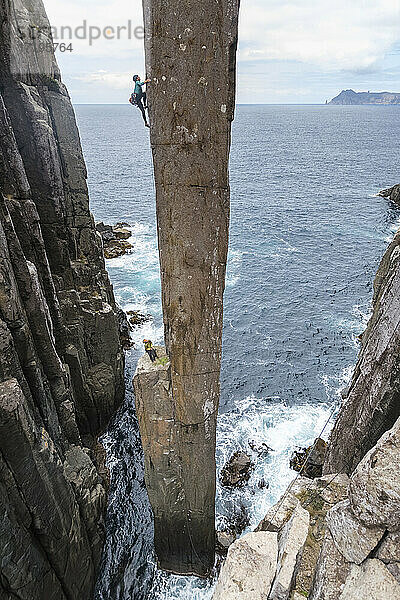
307	235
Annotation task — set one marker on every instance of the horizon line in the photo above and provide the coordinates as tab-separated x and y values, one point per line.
243	104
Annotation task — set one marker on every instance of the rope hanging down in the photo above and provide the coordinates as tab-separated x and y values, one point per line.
285	495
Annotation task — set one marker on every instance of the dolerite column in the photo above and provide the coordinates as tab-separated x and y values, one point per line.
191	60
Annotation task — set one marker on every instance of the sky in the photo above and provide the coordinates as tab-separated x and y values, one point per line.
290	51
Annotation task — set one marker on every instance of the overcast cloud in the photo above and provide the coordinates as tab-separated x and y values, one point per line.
289	51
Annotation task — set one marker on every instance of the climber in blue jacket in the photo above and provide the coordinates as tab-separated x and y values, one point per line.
139	98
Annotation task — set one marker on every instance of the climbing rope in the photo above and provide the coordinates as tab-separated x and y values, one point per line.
287	492
319	492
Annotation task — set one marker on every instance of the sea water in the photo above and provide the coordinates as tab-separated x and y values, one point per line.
307	234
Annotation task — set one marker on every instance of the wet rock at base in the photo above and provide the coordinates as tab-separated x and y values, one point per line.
224	540
121	233
309	461
237	470
260	448
137	318
262	484
393	193
114	239
124	329
239	519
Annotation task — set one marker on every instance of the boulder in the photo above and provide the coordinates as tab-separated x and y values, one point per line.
114	239
115	248
352	538
309	461
315	495
370	581
249	569
260	448
224	540
317	498
389	550
237	470
374	490
393	193
136	318
121	233
291	542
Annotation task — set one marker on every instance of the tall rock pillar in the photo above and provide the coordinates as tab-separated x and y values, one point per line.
191	61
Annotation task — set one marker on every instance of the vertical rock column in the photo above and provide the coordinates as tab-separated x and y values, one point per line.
191	61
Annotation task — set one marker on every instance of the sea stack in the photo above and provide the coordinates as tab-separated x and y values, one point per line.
191	61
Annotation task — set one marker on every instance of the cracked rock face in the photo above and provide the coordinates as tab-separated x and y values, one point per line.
61	364
190	59
249	569
372	404
363	531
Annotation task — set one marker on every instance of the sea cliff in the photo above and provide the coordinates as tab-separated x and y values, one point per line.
61	363
337	537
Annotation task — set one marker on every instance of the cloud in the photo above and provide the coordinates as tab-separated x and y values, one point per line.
119	81
289	50
105	27
345	34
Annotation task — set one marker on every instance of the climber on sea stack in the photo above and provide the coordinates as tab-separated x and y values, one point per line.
148	346
139	97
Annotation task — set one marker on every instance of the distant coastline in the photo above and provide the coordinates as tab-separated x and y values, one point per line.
352	97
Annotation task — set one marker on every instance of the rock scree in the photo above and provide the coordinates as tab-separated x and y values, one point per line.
191	62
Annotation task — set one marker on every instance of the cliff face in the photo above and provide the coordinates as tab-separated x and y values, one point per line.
351	97
332	538
61	365
338	538
190	57
372	403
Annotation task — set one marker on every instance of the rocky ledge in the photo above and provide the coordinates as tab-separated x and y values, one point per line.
115	238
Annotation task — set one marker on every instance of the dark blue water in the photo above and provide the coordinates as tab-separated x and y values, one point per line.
307	233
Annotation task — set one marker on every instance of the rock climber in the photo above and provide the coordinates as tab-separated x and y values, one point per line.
148	346
139	97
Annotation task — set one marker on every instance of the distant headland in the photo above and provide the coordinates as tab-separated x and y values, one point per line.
352	97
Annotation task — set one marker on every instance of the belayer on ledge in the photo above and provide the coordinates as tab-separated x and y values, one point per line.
139	98
148	346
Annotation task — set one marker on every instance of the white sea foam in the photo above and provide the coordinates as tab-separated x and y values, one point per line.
281	426
234	267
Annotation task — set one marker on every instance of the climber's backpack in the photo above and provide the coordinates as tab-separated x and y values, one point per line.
132	99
